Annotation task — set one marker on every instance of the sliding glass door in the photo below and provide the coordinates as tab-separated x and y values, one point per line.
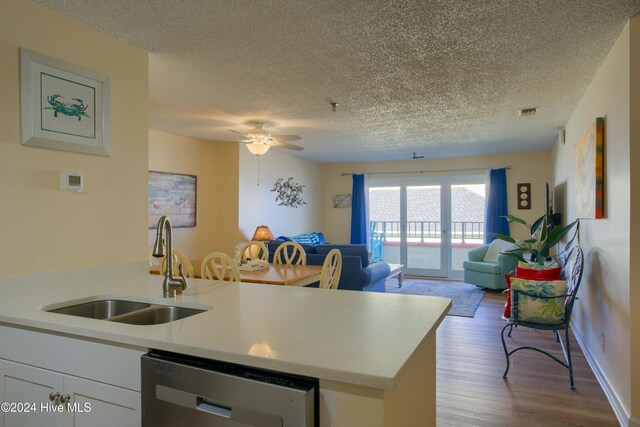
428	224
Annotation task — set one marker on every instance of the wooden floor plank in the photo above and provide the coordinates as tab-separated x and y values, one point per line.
472	392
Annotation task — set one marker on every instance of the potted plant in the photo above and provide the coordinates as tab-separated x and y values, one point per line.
544	236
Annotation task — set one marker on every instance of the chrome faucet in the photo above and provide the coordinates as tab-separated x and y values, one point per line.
171	285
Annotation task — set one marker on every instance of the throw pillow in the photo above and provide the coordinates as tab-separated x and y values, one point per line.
306	239
495	248
534	266
507	305
539	307
547	274
527	273
320	237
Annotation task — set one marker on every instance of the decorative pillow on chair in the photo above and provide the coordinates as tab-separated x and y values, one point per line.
495	248
528	273
539	308
537	267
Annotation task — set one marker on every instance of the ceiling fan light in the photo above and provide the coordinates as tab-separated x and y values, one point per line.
257	148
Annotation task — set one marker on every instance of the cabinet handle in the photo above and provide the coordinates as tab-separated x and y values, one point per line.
53	396
65	399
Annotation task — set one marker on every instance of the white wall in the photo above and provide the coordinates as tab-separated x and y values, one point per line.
257	204
532	167
603	307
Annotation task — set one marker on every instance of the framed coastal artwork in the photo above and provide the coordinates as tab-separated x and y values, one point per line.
63	106
589	169
173	195
342	201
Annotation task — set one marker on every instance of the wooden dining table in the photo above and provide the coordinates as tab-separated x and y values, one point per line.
273	274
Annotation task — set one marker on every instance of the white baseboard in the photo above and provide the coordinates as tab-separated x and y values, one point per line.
612	395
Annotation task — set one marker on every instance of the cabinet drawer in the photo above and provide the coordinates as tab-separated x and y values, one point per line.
94	360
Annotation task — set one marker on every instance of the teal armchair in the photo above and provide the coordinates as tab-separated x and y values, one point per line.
488	274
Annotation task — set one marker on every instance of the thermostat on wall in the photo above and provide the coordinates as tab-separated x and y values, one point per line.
71	181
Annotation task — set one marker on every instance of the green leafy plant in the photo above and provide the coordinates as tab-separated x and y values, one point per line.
544	236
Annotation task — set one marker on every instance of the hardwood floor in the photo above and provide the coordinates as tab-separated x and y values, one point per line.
472	392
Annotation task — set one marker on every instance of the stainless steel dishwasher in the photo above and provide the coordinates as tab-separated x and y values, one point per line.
180	390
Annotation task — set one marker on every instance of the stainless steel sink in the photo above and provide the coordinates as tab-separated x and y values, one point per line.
124	311
101	309
156	314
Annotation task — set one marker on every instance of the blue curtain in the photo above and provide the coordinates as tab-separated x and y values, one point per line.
358	210
496	205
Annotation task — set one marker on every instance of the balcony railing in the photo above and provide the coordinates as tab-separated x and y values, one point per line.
422	230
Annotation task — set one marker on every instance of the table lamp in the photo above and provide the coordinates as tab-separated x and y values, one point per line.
263	234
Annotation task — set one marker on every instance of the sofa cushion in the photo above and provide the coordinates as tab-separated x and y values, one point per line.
347	250
273	245
495	248
482	267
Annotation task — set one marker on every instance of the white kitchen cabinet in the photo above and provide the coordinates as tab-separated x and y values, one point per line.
90	403
25	385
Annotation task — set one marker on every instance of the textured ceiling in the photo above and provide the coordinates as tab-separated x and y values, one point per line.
439	78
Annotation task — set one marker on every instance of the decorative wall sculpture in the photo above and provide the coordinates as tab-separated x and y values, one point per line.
289	193
524	196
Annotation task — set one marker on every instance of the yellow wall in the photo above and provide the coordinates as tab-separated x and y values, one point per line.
532	167
604	305
216	166
43	228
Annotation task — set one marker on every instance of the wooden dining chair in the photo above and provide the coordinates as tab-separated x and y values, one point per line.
331	269
290	253
254	250
219	266
178	258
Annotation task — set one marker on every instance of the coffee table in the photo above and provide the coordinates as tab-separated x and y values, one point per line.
396	271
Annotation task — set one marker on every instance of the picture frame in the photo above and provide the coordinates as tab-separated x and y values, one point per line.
173	195
342	201
63	106
589	172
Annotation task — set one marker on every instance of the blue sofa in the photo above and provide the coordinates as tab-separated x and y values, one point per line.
357	274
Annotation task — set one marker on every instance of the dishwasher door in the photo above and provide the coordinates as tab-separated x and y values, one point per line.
182	390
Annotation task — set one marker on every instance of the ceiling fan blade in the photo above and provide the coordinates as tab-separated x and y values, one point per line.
283	138
276	144
235	131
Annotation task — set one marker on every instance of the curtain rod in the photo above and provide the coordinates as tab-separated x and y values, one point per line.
441	170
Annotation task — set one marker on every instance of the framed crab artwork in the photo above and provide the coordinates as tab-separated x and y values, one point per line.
63	106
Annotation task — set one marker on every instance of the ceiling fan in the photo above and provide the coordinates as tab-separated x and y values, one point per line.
259	140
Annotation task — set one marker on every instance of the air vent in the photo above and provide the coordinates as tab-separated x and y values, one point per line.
527	112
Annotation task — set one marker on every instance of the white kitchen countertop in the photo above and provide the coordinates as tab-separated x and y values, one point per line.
362	338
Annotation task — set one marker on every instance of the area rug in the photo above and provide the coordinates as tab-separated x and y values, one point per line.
465	298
